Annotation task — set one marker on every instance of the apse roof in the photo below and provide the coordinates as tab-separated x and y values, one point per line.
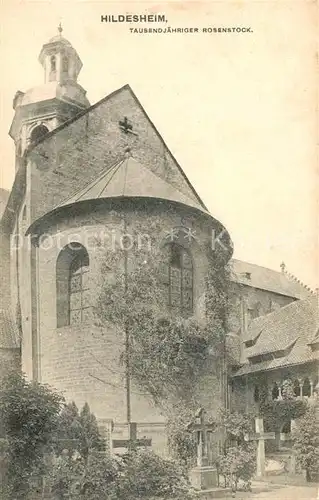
130	178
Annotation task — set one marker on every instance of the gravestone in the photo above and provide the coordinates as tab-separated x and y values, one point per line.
203	476
260	436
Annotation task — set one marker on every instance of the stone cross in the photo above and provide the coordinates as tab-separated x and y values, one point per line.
201	428
260	436
132	442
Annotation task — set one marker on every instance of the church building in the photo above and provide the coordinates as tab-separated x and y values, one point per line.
83	171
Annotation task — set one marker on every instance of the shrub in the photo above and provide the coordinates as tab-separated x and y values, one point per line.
29	412
146	475
74	478
306	443
136	475
78	431
238	461
280	411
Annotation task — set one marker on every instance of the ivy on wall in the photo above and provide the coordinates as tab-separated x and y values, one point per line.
168	355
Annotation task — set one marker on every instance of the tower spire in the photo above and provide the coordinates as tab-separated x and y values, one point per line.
60	29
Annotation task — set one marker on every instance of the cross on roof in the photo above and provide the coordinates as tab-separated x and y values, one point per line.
126	126
132	442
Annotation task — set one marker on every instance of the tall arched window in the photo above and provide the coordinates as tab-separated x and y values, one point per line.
73	293
178	278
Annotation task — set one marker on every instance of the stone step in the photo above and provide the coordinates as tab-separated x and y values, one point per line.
214	493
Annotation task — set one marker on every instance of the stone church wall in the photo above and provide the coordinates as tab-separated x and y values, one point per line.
245	298
9	362
83	361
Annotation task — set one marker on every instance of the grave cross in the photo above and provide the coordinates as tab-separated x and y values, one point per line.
260	436
126	126
132	442
201	428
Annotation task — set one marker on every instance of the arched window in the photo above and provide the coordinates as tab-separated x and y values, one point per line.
38	132
306	388
178	278
73	294
53	63
275	391
296	388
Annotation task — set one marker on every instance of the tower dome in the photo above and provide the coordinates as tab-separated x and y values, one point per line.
44	107
61	39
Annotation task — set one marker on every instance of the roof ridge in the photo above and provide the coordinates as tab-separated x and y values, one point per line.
125	173
115	169
256	265
294	278
284	271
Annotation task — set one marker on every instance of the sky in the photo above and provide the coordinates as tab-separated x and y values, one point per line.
237	110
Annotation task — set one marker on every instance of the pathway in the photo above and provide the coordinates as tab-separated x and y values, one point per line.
276	492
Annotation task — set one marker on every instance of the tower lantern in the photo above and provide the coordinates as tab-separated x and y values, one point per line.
43	108
60	60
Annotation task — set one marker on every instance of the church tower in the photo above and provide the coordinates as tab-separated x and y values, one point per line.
41	109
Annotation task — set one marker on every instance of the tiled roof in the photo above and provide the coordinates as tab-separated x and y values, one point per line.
254	329
275	363
9	335
263	278
130	178
291	330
